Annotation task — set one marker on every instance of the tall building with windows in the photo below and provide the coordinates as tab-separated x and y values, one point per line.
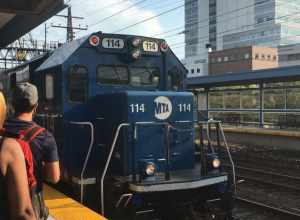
225	24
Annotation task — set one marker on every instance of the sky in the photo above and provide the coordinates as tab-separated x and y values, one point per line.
94	12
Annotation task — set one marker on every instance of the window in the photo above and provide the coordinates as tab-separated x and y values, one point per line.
274	57
121	75
198	70
225	59
49	86
219	59
263	57
143	76
247	56
174	79
117	75
269	57
192	71
78	84
257	56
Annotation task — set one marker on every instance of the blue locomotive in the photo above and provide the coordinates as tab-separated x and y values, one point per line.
125	128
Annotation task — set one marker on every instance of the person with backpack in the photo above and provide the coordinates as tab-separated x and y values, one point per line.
15	200
41	143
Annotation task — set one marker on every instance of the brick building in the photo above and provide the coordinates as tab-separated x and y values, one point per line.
242	59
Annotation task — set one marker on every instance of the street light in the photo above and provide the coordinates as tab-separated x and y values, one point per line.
208	47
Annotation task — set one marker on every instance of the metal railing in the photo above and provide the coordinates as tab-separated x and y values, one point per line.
87	155
219	128
108	162
167	127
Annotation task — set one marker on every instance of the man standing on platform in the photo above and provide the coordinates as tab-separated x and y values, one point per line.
41	141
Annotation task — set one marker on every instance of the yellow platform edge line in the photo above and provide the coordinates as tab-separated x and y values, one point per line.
61	207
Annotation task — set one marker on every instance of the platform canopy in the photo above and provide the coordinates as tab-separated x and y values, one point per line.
19	17
282	74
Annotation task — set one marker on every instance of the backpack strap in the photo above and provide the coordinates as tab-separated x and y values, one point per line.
31	133
29	162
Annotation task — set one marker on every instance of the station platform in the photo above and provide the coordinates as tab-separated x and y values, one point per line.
261	137
61	207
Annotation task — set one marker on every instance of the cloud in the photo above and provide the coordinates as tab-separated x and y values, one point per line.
94	11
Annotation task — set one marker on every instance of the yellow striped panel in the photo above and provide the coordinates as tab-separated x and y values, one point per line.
62	207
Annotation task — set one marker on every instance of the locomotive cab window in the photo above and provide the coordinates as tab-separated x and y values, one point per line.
49	86
174	79
78	84
143	76
116	75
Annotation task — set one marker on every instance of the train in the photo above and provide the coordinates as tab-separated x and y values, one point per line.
125	129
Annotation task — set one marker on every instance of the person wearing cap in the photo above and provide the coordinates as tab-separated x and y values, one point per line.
43	145
15	200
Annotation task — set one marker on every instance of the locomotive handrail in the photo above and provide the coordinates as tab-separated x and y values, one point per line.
88	154
219	123
108	162
229	155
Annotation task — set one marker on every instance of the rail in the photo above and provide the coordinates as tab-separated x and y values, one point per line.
88	154
275	210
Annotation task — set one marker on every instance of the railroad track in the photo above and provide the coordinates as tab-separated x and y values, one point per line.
277	211
268	177
270	191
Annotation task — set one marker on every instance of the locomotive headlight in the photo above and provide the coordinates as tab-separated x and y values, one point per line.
150	169
216	163
94	40
164	47
136	54
136	42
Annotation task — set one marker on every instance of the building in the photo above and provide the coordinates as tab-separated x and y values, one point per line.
289	55
228	24
243	59
196	67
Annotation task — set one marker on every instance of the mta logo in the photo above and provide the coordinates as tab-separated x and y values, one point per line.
162	108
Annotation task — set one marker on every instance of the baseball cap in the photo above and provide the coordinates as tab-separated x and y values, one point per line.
25	93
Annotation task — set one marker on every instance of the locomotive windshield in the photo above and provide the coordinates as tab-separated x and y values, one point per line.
122	75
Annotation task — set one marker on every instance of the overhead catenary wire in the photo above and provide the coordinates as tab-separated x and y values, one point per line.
118	12
206	37
209	25
148	19
221	15
249	25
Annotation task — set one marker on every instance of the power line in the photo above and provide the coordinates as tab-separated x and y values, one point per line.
198	27
69	27
158	15
148	19
119	12
205	38
220	15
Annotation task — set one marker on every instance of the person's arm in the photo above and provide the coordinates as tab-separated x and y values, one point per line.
20	204
51	172
51	169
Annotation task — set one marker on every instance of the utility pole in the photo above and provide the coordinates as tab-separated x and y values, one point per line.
46	32
69	27
70	34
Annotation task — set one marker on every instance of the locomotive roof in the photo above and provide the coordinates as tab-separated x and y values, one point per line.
60	55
